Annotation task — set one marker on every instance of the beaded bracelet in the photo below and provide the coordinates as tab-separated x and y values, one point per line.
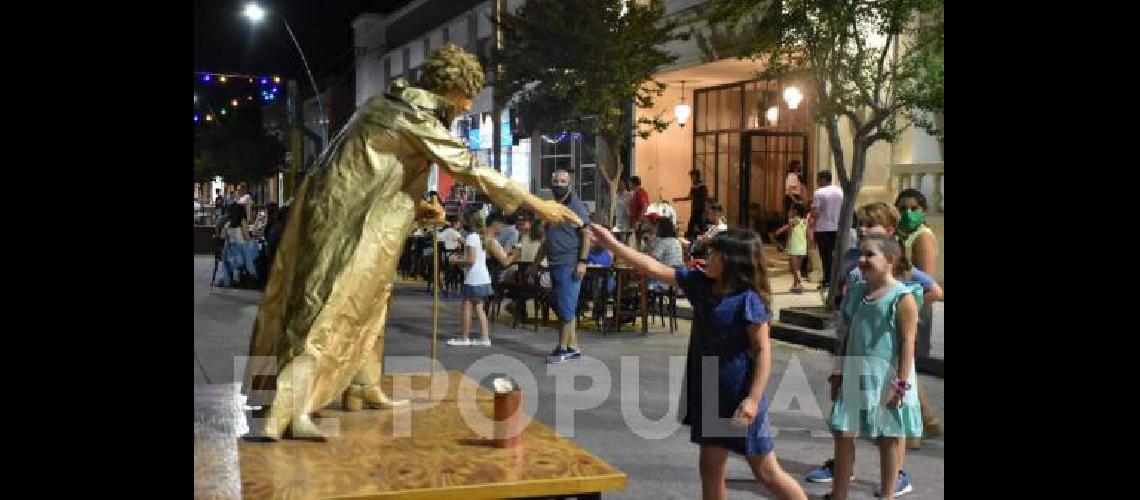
901	386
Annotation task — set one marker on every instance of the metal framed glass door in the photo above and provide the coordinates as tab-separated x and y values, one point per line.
764	161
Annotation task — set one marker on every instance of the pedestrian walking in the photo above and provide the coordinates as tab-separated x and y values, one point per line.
731	303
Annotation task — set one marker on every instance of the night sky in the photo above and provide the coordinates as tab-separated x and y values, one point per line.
225	41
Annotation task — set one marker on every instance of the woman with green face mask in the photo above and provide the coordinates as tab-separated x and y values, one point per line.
919	242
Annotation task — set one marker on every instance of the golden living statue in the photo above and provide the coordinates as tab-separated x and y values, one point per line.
323	314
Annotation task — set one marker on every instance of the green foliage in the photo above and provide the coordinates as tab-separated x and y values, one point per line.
238	149
869	61
569	60
878	63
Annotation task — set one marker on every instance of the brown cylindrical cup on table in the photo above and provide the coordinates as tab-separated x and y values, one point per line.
507	432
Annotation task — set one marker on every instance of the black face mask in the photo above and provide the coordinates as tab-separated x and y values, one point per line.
559	192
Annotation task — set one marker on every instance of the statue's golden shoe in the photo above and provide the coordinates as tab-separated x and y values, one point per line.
376	398
358	395
304	429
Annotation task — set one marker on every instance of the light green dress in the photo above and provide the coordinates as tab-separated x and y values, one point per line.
870	364
797	237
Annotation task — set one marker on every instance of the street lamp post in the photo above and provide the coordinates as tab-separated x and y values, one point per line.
255	13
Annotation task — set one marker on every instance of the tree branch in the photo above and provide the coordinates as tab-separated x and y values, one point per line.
876	119
879	77
833	141
855	121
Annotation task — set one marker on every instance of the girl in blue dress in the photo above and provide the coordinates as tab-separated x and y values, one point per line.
729	358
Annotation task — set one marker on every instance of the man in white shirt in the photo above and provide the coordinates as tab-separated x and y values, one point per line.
450	236
825	206
714	215
663	209
716	223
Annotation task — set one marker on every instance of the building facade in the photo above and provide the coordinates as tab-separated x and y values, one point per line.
742	135
395	45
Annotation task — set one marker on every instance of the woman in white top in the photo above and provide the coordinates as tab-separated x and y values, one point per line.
531	242
503	258
476	284
234	231
525	251
666	249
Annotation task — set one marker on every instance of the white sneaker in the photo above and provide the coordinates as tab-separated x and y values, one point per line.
481	342
458	341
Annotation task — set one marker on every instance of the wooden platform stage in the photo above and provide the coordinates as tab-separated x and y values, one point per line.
427	450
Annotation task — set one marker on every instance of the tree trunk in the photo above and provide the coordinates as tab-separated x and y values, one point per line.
940	121
836	146
847	209
612	172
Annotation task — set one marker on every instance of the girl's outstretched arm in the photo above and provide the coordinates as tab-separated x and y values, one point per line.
643	263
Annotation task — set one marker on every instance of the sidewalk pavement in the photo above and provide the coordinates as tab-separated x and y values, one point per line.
664	468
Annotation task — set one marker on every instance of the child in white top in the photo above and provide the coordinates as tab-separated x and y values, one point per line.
476	283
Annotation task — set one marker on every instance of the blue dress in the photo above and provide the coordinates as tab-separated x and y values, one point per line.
720	333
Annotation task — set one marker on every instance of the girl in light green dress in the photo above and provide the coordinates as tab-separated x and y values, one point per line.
876	397
797	243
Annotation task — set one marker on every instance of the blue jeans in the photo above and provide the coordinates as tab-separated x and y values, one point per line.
566	287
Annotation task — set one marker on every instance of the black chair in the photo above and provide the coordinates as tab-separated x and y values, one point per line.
595	297
493	303
630	308
452	274
528	287
663	304
407	258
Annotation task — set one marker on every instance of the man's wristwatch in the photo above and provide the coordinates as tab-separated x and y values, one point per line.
583	261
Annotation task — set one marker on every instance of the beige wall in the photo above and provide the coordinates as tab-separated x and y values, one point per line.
663	161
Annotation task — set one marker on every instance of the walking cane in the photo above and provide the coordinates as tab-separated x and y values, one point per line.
435	300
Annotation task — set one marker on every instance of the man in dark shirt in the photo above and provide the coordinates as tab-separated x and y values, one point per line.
698	195
565	249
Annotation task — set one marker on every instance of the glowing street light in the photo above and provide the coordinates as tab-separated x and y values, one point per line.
793	96
254	12
682	110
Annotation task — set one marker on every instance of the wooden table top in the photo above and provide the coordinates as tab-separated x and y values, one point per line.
441	456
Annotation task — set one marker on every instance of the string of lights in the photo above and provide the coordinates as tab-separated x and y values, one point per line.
268	86
226	77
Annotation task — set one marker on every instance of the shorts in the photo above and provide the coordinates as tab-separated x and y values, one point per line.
476	292
566	287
